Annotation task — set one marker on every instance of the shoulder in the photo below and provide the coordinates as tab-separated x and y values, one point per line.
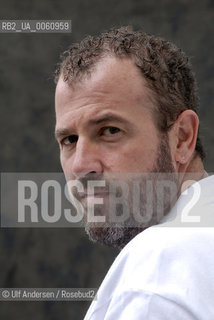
159	240
165	254
167	272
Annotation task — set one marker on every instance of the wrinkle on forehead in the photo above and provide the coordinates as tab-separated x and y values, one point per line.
109	76
115	74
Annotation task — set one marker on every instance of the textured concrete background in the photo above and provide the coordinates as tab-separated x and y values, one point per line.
65	258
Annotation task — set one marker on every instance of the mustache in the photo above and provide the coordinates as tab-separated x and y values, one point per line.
84	182
91	177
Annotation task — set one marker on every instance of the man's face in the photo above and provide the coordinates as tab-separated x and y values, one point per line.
104	125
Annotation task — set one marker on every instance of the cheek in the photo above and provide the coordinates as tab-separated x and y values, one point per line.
125	160
139	158
64	163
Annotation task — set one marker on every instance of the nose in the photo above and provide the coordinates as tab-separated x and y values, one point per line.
86	159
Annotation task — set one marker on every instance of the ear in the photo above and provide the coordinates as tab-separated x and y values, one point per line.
186	134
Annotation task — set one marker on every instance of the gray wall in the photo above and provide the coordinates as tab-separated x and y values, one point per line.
65	257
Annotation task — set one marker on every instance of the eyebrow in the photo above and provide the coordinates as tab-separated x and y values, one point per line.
59	133
105	118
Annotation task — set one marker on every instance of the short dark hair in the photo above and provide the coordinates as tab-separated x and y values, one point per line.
165	67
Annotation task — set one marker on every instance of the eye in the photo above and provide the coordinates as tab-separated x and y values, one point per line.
109	131
69	140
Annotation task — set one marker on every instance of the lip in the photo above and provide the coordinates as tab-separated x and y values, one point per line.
94	195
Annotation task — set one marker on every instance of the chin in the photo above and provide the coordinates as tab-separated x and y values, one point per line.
112	236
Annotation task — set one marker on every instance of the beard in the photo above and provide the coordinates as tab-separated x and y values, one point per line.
146	207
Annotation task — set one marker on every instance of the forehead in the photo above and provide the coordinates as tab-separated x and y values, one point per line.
114	83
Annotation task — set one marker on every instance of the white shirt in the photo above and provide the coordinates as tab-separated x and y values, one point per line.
167	271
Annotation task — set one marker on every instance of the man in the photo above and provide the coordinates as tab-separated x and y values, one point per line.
126	105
